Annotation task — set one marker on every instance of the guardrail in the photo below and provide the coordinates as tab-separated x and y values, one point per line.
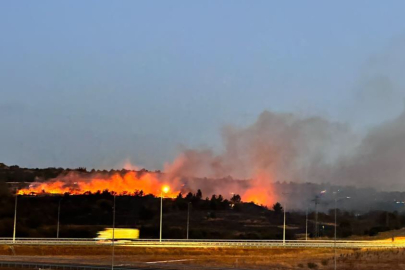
187	240
204	243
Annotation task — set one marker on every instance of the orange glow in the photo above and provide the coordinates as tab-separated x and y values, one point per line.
261	193
128	184
165	189
257	195
133	182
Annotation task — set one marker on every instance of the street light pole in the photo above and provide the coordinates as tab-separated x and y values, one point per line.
161	215
113	237
336	200
165	189
284	226
306	225
15	217
57	228
335	231
188	219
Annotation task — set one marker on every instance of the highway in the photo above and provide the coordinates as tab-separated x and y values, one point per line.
207	243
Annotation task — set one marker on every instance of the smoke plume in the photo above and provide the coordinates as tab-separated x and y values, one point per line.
282	147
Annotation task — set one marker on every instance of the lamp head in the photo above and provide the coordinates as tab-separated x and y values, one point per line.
165	189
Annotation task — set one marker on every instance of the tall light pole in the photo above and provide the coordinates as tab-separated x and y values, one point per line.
165	189
15	217
57	227
393	233
335	232
316	200
306	225
284	207
334	244
284	225
188	218
113	237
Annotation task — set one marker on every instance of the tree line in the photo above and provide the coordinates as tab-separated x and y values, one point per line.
213	217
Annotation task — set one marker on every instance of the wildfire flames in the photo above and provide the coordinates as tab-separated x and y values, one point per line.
132	183
128	184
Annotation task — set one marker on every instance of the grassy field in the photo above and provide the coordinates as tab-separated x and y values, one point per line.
274	258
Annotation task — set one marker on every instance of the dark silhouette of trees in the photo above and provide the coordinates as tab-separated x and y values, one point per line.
236	198
277	208
189	196
198	195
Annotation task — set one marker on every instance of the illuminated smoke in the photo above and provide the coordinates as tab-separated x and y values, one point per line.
278	147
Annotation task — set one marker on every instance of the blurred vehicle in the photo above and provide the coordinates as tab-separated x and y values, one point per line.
120	235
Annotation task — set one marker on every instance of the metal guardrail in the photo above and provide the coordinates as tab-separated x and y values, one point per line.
204	243
188	240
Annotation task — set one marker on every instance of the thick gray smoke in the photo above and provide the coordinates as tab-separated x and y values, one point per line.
286	147
292	148
379	161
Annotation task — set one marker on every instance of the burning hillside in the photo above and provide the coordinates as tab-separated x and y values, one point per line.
145	182
128	184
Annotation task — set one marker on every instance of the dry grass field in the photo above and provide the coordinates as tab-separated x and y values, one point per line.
176	258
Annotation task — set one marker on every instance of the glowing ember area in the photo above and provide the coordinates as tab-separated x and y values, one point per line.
259	196
133	183
129	184
260	192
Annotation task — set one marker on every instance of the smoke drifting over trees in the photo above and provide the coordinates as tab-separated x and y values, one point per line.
287	147
278	147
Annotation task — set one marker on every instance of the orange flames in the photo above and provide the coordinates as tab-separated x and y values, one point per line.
257	195
127	184
133	182
261	193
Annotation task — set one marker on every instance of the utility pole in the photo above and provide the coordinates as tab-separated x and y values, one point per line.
316	201
15	217
188	219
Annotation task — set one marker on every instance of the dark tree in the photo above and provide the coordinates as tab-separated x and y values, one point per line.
198	195
277	208
189	196
236	198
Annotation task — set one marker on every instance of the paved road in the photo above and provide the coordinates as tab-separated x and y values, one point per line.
206	243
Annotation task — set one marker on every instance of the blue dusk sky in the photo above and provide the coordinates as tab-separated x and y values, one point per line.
100	83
